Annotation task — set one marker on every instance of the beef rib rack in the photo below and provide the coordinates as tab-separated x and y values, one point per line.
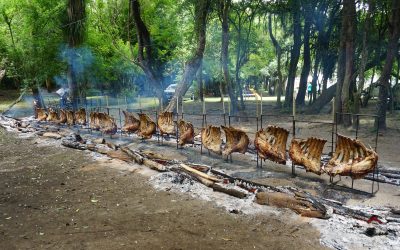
211	138
236	141
351	158
271	143
186	132
307	153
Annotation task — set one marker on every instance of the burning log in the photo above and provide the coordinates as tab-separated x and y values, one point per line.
307	153
271	143
132	124
147	127
211	138
80	117
165	123
119	154
41	114
232	191
53	116
294	201
351	158
70	117
186	132
236	141
63	117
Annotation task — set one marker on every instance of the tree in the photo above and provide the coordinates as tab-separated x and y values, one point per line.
75	32
193	64
294	53
392	51
278	51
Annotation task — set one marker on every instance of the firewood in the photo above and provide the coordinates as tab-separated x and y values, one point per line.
227	190
198	173
73	144
154	165
135	156
293	202
120	154
52	135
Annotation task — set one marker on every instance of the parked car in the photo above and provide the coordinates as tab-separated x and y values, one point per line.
170	91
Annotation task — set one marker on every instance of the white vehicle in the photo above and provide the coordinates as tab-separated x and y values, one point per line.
170	91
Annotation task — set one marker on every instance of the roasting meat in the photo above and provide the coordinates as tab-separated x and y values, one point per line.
211	138
165	123
107	124
307	153
351	158
236	141
41	114
131	122
53	116
147	127
186	133
63	117
271	143
80	117
70	117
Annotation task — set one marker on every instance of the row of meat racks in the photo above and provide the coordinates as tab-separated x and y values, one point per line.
350	157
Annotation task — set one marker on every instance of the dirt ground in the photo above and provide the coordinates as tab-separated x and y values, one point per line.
59	198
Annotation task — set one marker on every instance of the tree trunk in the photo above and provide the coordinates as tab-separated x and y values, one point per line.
225	7
200	82
145	53
76	33
192	66
392	50
278	51
306	56
322	100
349	18
295	52
364	59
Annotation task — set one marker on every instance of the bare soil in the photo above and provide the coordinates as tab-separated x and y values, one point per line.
58	198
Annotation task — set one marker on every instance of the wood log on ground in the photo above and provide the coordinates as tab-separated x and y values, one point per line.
199	173
229	190
293	202
120	154
73	144
52	135
154	165
135	156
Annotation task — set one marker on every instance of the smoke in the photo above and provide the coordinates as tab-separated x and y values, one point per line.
79	60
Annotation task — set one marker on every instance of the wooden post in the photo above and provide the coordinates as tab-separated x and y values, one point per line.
107	100
261	107
126	102
177	104
294	105
161	105
223	104
140	102
333	109
118	101
204	106
229	106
